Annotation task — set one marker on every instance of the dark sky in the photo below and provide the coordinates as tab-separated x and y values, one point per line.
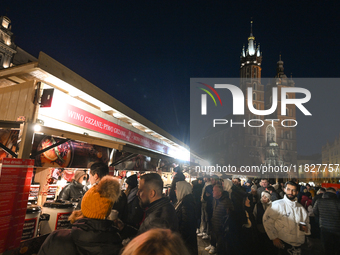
144	53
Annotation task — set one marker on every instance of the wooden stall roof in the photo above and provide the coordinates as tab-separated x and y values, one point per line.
57	75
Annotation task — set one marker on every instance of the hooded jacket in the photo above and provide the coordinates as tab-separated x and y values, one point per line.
87	236
328	210
281	220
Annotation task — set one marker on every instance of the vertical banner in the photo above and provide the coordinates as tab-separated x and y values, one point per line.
15	182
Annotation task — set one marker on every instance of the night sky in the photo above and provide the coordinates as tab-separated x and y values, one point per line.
144	53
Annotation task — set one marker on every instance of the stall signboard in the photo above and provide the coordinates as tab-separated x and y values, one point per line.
15	182
79	117
331	185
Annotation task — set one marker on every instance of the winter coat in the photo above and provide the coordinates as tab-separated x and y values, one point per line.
160	214
258	213
328	210
318	196
87	236
122	207
185	211
237	197
208	200
197	191
74	190
177	178
281	220
274	196
306	201
203	191
253	199
221	207
135	212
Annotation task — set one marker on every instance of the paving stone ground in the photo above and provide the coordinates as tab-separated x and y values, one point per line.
315	247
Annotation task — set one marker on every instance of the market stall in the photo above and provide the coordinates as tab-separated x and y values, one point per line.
63	123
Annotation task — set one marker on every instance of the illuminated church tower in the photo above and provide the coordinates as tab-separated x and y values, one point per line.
7	47
250	74
247	145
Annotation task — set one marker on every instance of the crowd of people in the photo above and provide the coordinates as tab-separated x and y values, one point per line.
253	218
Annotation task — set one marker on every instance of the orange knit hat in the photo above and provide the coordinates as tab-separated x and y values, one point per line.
98	201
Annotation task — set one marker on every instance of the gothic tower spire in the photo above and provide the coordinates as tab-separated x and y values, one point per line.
251	39
251	58
279	69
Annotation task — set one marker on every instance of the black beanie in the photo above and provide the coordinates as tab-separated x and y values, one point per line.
132	181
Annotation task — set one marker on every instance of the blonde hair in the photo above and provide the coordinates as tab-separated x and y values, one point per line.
156	242
76	215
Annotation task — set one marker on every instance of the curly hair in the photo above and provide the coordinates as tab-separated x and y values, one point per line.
156	241
76	215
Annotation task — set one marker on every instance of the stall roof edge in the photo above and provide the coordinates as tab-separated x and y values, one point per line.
53	67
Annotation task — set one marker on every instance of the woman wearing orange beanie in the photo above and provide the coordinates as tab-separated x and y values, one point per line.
91	232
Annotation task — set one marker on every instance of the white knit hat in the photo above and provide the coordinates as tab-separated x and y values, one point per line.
265	193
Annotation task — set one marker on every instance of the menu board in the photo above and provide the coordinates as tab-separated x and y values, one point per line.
15	182
51	191
34	192
62	220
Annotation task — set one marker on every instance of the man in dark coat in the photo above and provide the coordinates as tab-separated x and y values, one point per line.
222	206
327	209
197	187
263	185
135	212
159	212
207	207
75	190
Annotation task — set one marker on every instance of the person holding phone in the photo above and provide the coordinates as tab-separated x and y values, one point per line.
286	222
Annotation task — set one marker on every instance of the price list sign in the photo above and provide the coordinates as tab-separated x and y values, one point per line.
15	182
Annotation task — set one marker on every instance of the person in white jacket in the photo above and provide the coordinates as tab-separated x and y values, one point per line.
286	221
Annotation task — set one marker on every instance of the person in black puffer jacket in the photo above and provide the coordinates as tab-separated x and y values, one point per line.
222	206
185	211
327	209
91	233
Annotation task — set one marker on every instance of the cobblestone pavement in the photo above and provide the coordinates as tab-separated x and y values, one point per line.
313	247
